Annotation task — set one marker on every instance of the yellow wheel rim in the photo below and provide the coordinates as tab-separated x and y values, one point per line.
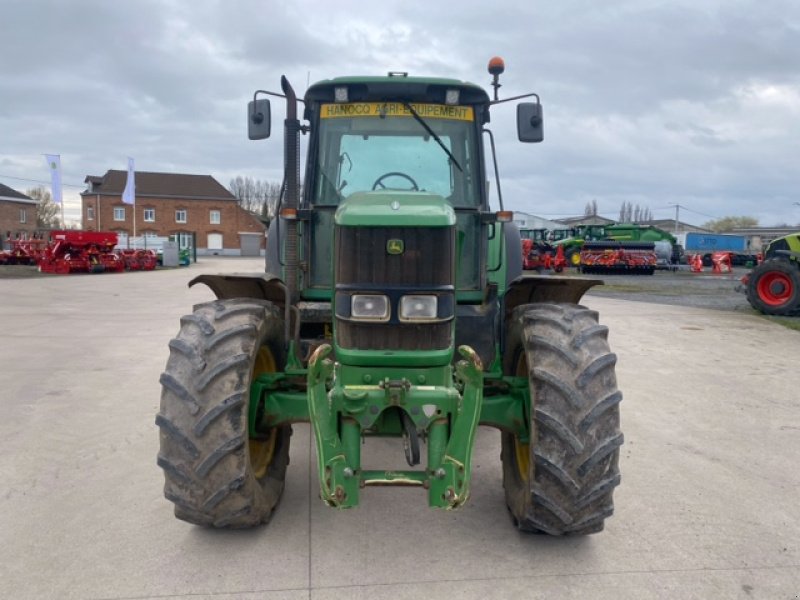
576	259
522	451
262	451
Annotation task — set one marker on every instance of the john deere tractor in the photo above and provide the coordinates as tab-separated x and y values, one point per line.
393	305
773	287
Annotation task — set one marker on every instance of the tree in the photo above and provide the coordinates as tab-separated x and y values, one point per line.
626	214
47	212
257	196
730	223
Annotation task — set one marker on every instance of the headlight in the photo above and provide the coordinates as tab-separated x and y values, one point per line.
418	308
369	307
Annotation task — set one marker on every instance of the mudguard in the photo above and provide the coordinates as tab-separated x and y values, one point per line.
246	285
530	289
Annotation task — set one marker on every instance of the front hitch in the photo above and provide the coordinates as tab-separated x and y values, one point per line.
446	414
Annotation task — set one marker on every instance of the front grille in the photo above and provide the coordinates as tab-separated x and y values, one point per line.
427	259
363	264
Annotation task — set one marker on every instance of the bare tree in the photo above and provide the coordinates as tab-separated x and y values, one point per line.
47	212
256	195
626	214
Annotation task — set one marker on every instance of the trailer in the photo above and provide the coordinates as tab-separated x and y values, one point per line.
703	243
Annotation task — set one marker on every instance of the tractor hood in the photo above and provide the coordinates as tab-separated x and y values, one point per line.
396	209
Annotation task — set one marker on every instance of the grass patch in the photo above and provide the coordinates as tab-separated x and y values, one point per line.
792	323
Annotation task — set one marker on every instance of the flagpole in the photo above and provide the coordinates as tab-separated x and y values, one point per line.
54	165
129	194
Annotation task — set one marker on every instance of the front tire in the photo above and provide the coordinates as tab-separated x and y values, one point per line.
774	287
562	482
215	474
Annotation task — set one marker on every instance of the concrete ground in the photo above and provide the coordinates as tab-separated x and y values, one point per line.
709	505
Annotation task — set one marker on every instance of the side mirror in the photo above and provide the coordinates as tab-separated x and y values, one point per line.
258	119
530	126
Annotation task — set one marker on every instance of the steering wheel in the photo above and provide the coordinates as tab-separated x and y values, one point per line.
378	181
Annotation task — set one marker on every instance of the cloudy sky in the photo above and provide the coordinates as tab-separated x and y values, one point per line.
695	103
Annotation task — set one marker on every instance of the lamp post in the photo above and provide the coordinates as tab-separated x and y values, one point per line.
677	215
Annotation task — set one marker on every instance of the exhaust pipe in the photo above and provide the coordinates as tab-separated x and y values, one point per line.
291	170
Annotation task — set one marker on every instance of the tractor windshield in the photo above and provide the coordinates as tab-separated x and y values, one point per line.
376	146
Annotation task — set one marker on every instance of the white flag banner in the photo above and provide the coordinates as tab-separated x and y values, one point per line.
54	164
129	195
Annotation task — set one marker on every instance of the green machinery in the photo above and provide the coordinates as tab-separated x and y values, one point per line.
773	287
393	305
631	234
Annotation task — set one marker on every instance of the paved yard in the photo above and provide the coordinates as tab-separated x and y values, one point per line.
708	508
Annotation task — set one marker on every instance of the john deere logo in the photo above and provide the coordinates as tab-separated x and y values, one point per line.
395	246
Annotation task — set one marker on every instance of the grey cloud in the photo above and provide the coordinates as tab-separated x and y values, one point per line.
643	99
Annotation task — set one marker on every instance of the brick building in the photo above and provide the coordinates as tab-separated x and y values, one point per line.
18	214
172	204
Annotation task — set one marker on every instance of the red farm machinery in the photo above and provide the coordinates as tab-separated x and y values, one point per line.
138	259
624	258
537	253
81	252
23	252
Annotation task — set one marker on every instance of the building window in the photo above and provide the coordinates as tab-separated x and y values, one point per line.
185	240
119	213
180	216
90	213
23	215
149	215
150	234
215	217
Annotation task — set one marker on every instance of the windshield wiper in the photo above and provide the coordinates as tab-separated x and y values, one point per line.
432	133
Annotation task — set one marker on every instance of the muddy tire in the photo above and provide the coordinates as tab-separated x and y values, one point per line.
215	474
774	287
562	482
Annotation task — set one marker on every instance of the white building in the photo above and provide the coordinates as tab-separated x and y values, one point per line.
528	221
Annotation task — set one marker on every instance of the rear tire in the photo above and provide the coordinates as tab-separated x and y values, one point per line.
215	474
774	287
573	257
562	482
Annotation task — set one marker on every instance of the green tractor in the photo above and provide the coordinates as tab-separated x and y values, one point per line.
773	287
393	305
572	240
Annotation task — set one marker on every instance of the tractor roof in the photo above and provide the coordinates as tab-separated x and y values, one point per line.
396	87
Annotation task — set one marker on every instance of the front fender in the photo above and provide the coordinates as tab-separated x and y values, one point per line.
265	286
531	289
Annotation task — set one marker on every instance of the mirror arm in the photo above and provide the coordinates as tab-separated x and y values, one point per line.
496	171
532	95
258	117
